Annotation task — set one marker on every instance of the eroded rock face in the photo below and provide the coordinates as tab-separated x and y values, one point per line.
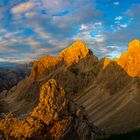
12	127
41	65
55	117
130	60
52	103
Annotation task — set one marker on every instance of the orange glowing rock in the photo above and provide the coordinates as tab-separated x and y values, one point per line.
52	102
106	62
59	127
73	54
52	105
41	65
130	60
18	128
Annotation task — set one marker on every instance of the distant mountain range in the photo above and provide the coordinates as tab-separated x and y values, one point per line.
11	74
8	65
75	96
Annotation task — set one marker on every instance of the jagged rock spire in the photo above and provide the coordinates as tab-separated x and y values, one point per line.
130	60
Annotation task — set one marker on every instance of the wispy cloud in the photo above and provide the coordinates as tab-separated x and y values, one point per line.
116	3
31	28
21	8
119	18
16	61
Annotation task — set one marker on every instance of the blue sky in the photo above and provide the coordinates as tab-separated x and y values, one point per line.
32	28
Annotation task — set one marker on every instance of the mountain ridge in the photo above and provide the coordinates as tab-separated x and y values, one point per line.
73	54
78	50
105	90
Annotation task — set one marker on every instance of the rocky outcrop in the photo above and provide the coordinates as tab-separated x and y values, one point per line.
52	103
55	117
130	60
41	66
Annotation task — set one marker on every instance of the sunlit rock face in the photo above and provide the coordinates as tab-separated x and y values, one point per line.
52	103
41	65
130	60
73	54
13	128
54	118
106	62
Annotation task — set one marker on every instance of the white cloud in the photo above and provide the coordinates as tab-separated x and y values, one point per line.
56	5
86	31
116	3
16	61
115	54
100	40
21	8
83	27
119	18
33	43
41	33
98	24
123	25
30	14
51	39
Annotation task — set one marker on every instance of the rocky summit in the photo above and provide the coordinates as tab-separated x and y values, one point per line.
74	95
130	60
73	54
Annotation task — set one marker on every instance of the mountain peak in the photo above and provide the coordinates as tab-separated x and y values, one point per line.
76	46
130	60
106	62
74	53
135	44
78	42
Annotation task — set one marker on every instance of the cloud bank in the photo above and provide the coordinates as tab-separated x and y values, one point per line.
31	28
